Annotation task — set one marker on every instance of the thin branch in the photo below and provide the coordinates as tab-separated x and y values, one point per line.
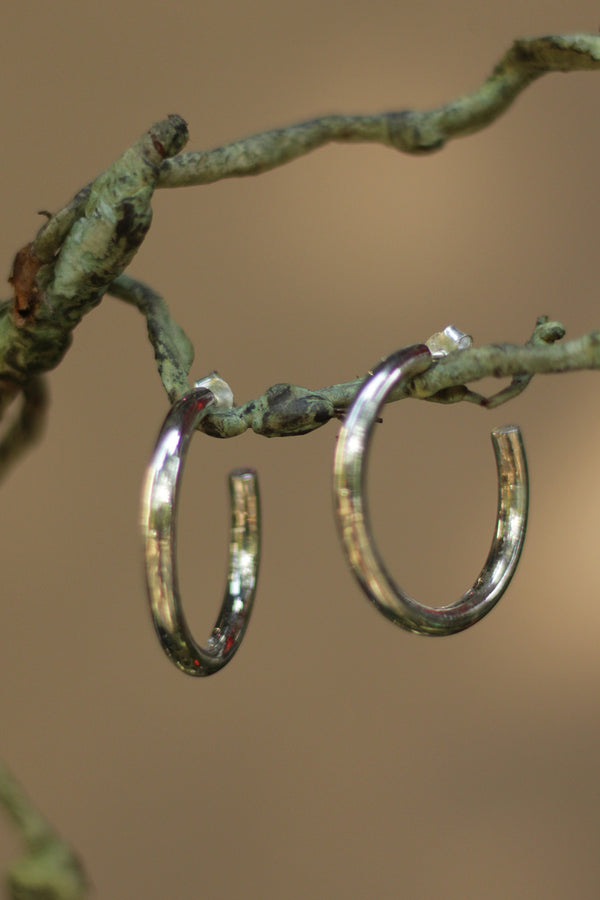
28	427
408	131
286	410
173	349
81	252
544	333
49	870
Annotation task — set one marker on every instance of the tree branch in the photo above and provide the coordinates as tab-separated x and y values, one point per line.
28	427
64	273
81	252
286	410
408	131
173	349
49	870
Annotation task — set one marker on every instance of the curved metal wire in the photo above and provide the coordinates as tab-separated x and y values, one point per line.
351	510
159	511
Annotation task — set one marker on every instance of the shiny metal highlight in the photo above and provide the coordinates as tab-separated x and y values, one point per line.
159	512
352	516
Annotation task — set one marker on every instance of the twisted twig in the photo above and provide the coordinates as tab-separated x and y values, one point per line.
81	252
409	131
286	410
173	349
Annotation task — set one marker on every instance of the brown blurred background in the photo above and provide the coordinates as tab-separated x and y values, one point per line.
337	756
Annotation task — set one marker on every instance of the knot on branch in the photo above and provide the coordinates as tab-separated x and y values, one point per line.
413	132
286	410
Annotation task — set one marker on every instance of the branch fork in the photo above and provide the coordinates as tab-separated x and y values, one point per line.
82	251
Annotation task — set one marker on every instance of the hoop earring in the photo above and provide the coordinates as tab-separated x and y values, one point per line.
352	518
159	510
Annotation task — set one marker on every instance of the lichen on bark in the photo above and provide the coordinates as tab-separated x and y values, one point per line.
81	253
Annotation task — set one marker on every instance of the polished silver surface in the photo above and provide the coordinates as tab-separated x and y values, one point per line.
350	464
159	515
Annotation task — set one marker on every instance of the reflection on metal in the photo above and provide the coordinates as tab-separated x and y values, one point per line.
159	511
353	522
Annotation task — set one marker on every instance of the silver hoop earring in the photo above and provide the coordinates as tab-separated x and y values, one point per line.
159	510
351	510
